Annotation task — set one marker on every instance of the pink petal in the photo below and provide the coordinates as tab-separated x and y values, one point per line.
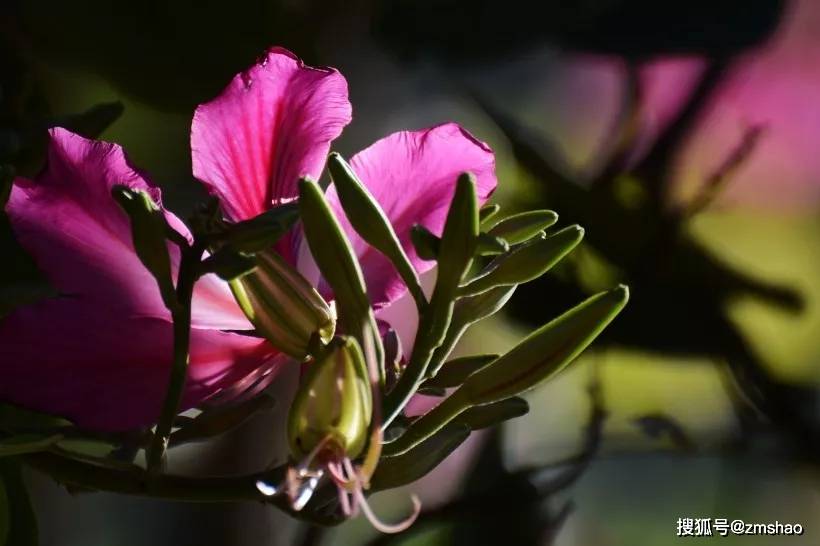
100	353
105	370
270	126
413	176
68	221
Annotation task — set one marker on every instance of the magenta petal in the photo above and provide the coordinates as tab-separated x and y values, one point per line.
105	370
270	126
413	176
68	221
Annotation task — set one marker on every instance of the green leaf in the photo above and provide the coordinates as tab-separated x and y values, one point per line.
339	266
263	231
489	245
221	419
416	463
453	372
526	262
229	264
487	213
149	233
369	220
479	417
425	243
546	351
522	227
20	527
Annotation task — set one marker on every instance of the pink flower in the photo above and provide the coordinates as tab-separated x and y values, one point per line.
274	123
100	353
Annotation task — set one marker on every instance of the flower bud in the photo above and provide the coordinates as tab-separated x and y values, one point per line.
283	306
334	403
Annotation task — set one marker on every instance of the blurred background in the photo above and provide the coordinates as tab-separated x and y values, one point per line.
683	136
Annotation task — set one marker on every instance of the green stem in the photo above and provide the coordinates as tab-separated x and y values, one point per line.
169	487
432	329
188	274
427	425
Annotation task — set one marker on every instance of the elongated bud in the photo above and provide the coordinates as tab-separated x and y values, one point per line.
338	264
370	222
522	227
334	403
540	356
487	213
460	235
149	231
283	306
526	262
546	351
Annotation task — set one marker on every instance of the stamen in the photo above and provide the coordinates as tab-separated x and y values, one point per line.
387	527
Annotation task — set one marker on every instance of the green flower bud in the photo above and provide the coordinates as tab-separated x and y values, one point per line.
334	403
283	306
522	227
149	234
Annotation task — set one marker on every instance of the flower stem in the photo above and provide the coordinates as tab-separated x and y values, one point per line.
432	329
188	274
69	471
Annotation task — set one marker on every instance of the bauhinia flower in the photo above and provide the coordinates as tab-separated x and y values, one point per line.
274	123
100	353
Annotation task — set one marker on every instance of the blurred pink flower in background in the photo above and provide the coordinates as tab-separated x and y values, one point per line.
778	86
